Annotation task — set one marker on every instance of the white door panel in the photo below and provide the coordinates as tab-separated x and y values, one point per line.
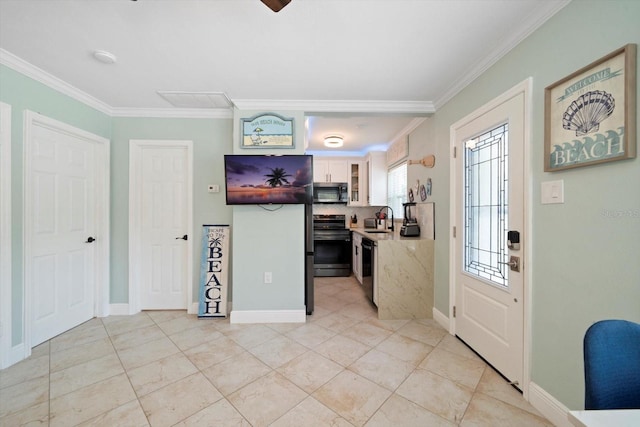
64	212
489	198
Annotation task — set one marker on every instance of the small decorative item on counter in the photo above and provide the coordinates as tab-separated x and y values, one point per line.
354	219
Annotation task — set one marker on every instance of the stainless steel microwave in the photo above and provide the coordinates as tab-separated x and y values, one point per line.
330	192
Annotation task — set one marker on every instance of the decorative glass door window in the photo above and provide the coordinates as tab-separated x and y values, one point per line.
486	206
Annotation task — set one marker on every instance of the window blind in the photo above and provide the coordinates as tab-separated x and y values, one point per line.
397	188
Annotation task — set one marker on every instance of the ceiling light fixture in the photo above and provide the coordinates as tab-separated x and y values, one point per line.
333	141
104	57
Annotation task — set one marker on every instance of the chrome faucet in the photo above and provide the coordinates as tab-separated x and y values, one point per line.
389	208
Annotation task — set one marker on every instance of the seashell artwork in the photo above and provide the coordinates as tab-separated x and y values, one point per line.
585	114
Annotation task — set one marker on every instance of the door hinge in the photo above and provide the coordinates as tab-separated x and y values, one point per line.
454	231
454	311
455	152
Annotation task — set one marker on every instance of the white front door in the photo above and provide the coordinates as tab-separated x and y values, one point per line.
162	199
62	230
489	204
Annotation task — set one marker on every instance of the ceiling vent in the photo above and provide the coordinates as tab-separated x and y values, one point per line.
196	99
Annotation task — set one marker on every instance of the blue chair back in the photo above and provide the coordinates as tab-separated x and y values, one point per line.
612	365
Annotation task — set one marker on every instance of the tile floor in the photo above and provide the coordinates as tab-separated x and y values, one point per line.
342	368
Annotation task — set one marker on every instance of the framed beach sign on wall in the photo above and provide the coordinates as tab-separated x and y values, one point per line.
268	130
590	115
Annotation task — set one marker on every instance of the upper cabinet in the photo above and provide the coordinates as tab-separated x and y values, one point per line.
325	170
366	177
377	173
357	183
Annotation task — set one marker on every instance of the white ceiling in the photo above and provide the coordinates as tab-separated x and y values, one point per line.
361	68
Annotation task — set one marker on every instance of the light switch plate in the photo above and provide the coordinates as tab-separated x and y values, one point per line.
552	192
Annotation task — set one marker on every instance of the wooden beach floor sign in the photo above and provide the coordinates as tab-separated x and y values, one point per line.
214	271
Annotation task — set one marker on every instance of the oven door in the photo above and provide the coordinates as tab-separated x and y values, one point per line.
331	256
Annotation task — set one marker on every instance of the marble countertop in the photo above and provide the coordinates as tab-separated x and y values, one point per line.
384	236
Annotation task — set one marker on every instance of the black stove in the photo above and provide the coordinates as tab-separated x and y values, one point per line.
332	246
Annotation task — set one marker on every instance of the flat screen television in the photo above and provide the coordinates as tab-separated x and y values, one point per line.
268	179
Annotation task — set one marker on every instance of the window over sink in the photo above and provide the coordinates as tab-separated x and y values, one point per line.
397	187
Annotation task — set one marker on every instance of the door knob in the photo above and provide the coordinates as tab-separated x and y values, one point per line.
514	263
182	238
90	240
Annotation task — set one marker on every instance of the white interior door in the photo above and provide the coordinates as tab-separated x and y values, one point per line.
489	202
164	238
62	229
5	234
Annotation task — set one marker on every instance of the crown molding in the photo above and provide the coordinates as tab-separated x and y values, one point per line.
339	106
380	107
175	113
410	127
535	21
39	75
25	68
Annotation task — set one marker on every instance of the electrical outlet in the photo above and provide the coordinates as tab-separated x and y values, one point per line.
268	277
213	188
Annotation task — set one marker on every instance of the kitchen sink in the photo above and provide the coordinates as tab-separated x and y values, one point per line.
378	231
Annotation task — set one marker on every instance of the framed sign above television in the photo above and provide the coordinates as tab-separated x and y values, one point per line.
263	180
268	130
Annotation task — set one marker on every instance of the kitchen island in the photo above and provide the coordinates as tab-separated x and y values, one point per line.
403	277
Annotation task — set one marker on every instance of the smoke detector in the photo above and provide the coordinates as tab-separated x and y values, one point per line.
105	57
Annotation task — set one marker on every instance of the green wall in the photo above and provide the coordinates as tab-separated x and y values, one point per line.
211	140
268	240
24	93
584	252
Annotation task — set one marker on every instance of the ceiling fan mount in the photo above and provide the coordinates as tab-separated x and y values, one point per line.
276	5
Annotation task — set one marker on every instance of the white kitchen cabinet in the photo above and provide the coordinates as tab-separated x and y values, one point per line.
377	174
357	256
357	183
325	170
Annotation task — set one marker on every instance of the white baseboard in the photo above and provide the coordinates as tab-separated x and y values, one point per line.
123	309
268	316
439	317
119	310
548	406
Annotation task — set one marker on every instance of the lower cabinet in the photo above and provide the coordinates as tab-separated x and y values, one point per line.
356	239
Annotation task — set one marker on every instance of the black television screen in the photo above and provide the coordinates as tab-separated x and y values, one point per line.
264	179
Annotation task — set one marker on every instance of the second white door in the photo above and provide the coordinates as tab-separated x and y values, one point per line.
163	196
